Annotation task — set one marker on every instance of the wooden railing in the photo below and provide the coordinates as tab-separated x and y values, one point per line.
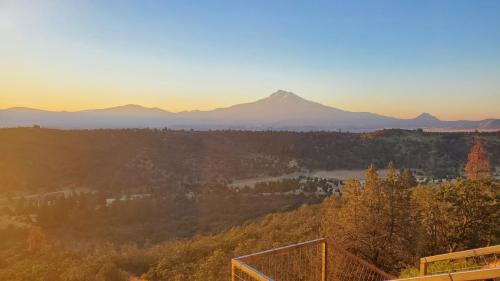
471	275
243	271
274	262
479	256
323	260
315	260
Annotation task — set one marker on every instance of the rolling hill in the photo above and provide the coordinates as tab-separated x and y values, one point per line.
47	159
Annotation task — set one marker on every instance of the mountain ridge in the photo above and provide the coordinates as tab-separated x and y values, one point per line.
282	110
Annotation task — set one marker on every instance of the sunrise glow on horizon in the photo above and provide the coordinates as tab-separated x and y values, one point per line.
396	58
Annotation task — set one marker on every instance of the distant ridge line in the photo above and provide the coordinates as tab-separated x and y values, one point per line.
282	110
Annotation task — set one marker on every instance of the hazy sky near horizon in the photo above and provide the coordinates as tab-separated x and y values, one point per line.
398	58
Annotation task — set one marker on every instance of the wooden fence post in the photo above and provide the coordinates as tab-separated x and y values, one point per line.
423	267
233	277
323	260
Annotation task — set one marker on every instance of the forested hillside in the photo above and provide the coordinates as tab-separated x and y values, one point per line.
35	159
390	222
156	204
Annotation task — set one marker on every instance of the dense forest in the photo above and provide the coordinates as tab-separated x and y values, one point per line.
389	222
157	205
37	159
153	218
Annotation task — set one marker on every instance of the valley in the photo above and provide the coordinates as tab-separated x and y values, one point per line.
143	160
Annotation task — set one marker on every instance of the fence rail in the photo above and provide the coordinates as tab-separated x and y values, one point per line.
485	257
471	275
243	271
302	262
315	260
324	260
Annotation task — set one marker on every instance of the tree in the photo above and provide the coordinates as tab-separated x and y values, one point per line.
376	217
456	216
110	272
399	235
359	224
472	213
432	227
478	165
374	221
407	178
36	239
343	217
212	269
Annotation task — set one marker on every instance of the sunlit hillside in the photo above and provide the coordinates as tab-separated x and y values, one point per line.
261	140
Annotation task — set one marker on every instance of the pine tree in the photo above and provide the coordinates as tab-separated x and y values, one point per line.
472	213
343	217
478	166
407	179
36	239
375	218
393	193
375	221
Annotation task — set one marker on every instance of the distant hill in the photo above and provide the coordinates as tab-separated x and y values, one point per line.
280	111
34	159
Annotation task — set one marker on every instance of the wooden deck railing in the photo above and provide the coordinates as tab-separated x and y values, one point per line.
316	260
274	262
323	260
470	275
479	256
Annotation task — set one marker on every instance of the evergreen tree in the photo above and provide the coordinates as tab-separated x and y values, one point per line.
478	165
376	221
472	213
110	272
36	239
212	269
407	178
431	216
343	217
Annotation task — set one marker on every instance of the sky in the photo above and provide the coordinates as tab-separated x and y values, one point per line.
398	58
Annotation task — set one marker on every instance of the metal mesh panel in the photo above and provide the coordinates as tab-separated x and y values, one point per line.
300	263
315	260
319	260
344	266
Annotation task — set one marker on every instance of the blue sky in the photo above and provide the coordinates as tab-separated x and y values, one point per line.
396	58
